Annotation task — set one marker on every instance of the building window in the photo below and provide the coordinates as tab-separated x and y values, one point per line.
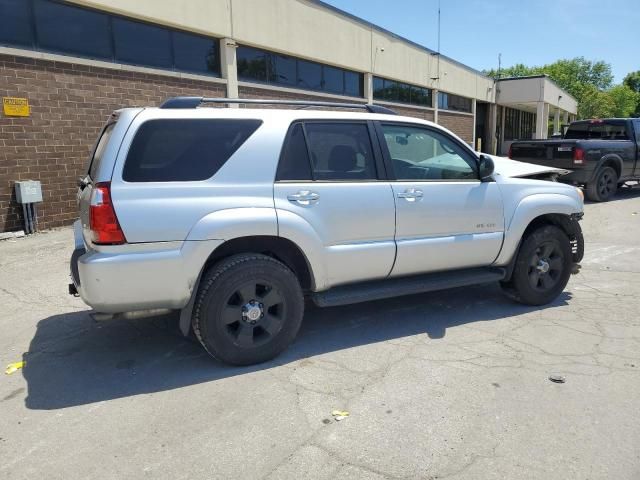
195	53
84	32
447	101
141	44
392	91
16	23
54	26
255	65
518	125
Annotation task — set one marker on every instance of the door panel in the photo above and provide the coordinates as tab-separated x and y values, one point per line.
328	177
354	221
445	217
453	225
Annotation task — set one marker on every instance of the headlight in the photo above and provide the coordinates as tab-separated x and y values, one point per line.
581	193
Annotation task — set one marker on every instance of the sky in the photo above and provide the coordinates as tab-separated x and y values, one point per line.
533	32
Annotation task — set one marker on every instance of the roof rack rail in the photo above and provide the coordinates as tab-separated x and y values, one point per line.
193	102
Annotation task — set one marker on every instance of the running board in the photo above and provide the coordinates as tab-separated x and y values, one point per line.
395	287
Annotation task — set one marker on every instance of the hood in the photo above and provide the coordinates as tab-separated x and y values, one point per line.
512	168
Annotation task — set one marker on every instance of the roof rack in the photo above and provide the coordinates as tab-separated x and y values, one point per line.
193	102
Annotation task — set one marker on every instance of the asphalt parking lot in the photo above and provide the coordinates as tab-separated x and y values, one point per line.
445	385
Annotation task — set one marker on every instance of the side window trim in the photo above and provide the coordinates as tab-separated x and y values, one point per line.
283	150
306	143
387	155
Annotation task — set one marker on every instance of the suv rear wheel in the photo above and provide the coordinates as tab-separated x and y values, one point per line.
543	267
604	186
248	310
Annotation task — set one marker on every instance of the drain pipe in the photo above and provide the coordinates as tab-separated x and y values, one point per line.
28	193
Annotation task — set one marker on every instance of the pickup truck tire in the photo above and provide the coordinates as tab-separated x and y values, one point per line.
543	267
603	186
248	310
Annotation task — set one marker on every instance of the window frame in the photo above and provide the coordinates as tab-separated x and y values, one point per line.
389	162
380	168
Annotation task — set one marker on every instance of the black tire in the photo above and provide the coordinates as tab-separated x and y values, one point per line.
248	310
604	185
542	268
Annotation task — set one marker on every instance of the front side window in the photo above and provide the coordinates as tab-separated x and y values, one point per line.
423	154
184	149
340	151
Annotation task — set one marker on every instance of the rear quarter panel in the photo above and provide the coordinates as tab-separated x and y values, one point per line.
169	211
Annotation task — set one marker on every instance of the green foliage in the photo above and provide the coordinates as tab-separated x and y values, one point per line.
632	80
591	83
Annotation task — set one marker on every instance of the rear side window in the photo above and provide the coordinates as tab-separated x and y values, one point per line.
184	149
294	161
340	151
99	151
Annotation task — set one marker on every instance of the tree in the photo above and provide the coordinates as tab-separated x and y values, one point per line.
632	80
595	103
625	100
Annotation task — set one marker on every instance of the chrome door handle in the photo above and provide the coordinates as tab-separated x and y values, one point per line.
411	194
304	197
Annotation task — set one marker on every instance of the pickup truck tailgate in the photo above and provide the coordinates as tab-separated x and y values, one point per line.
550	154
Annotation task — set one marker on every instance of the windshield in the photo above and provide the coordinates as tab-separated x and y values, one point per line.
597	130
99	150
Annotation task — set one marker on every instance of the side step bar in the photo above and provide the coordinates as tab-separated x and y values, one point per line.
395	287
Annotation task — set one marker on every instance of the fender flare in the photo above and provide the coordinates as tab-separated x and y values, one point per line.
221	226
530	208
608	158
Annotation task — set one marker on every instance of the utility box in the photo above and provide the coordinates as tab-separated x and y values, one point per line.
28	191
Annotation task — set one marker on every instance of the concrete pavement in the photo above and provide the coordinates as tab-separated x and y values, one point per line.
445	385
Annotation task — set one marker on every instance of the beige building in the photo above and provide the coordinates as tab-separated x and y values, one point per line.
76	61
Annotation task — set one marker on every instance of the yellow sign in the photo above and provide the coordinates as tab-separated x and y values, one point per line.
15	107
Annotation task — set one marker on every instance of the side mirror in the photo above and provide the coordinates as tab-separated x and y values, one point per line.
485	168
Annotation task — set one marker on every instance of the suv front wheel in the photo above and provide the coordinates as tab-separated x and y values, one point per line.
248	310
542	268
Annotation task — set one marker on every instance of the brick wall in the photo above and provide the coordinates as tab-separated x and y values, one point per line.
413	112
460	124
69	105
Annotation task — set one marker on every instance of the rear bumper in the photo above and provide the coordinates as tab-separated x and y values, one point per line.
140	276
577	177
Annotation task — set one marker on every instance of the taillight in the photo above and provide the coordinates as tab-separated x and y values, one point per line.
510	153
578	156
105	229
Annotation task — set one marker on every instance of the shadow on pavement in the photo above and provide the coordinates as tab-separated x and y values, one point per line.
631	190
73	360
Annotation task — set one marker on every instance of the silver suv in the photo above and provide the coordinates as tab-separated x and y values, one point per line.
233	216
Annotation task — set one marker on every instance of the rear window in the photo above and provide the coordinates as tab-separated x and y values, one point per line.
184	149
99	151
597	131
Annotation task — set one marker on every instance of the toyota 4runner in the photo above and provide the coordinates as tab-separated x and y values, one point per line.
233	216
